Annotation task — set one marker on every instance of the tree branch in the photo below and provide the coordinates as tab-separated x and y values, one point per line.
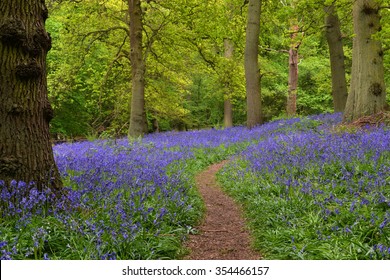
105	31
274	50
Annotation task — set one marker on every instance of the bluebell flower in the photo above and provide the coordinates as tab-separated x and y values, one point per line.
294	248
347	230
384	223
352	208
364	201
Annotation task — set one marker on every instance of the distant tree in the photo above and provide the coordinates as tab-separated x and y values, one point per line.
293	57
228	45
25	149
336	53
252	75
367	94
227	105
138	122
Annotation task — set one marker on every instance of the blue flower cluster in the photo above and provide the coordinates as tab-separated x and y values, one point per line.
341	179
116	195
125	199
23	200
383	250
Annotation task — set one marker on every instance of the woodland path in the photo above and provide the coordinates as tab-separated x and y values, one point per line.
222	234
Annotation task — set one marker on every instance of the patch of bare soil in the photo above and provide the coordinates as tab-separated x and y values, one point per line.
222	234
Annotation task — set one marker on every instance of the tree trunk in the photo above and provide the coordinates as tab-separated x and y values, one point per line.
252	75
228	108
227	113
291	107
138	122
336	53
292	82
368	93
25	150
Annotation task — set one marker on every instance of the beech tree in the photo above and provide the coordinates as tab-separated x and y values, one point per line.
293	61
252	75
138	123
227	105
188	72
228	46
25	149
336	53
367	94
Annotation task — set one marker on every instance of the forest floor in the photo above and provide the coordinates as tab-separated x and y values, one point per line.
222	234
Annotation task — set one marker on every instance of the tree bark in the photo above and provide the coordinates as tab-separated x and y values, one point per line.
138	122
367	94
336	53
252	75
291	107
25	150
228	107
292	82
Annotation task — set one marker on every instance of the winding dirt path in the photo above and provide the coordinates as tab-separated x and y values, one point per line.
222	234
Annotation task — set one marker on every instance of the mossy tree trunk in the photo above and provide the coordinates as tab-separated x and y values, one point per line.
336	54
252	73
367	94
138	122
25	149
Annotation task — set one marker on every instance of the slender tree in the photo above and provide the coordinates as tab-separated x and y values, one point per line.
336	53
138	122
291	107
25	149
227	105
252	75
367	94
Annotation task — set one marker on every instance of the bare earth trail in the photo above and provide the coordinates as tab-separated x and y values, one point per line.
222	234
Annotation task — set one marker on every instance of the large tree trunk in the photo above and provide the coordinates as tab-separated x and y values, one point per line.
228	108
252	75
336	53
138	122
25	149
291	107
368	93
